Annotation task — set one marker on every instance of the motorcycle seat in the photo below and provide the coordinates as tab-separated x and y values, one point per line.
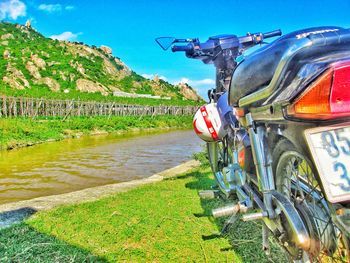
257	70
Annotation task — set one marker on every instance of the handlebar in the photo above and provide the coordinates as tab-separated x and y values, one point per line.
214	49
242	42
258	38
274	33
182	48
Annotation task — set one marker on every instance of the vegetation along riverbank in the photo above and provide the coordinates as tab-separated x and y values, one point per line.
20	132
165	222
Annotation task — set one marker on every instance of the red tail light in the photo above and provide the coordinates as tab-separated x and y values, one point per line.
327	98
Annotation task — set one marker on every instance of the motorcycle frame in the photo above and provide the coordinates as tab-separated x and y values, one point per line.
260	150
262	161
263	166
256	119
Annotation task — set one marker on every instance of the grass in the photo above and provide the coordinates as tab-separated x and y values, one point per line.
22	243
19	132
161	222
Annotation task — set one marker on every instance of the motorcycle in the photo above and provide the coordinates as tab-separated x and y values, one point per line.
277	129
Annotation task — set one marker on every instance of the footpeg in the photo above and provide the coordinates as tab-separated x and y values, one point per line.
229	210
208	194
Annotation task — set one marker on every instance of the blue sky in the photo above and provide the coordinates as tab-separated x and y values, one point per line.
129	27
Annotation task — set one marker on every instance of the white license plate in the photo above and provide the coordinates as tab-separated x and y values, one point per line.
330	148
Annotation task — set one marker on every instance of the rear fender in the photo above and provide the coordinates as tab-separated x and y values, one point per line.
291	131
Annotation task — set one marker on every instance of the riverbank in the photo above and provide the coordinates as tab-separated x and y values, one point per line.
160	222
22	132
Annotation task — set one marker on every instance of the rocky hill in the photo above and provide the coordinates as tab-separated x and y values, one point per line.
30	62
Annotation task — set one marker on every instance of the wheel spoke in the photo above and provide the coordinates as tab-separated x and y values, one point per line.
298	184
301	186
309	193
324	229
322	220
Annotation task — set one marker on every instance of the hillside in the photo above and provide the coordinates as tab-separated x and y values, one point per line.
33	65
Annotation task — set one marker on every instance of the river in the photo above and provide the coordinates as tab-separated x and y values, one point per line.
70	165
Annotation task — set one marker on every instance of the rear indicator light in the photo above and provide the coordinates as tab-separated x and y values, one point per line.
326	98
239	112
241	157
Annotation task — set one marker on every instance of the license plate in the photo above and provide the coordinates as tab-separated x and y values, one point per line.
330	148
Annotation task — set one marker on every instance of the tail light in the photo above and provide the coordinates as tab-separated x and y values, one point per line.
326	98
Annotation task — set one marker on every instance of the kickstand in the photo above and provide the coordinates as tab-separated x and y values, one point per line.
228	224
224	229
265	240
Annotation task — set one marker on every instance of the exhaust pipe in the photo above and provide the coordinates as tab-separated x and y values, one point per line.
229	210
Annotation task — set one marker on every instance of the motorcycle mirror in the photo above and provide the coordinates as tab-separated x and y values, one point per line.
165	42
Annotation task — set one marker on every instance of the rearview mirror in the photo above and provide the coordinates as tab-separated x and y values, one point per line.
165	42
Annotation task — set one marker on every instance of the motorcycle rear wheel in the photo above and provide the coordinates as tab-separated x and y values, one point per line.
295	178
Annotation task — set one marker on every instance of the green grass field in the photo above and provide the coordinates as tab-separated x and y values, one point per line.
161	222
19	132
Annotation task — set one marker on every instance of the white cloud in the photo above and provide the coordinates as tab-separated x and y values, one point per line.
66	36
200	86
184	80
12	9
50	8
151	76
203	82
55	8
69	7
197	83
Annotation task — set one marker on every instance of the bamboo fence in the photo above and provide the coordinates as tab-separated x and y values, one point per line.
39	107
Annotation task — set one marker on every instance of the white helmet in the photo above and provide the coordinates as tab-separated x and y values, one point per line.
207	123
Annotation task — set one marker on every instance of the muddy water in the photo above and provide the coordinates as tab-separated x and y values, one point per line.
75	164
